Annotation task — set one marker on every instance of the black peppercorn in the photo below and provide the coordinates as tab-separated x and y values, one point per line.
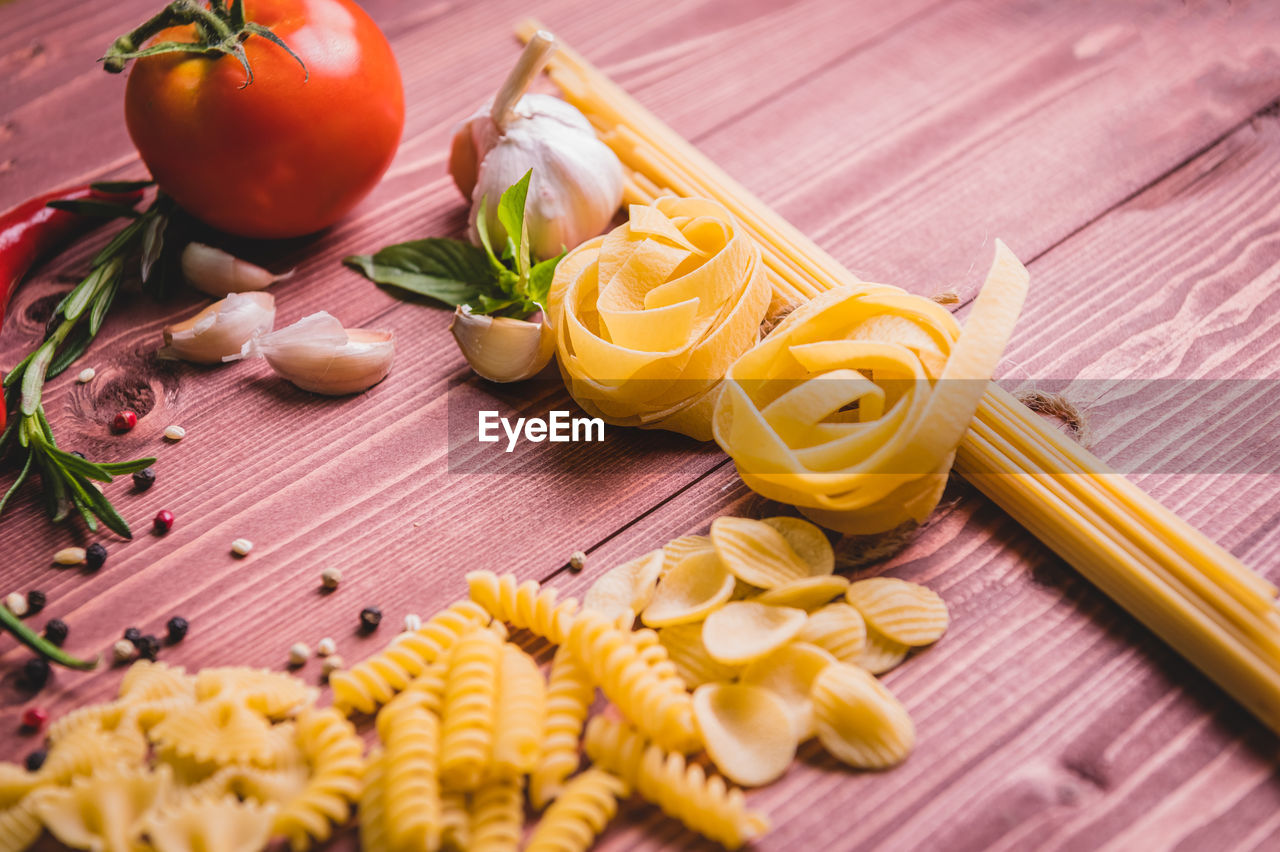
56	631
148	647
177	628
35	760
144	479
35	673
133	634
370	618
35	601
95	556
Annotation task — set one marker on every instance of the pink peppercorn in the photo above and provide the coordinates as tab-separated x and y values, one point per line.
125	421
163	521
33	719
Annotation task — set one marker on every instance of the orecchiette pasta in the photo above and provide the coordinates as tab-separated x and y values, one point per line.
903	612
837	629
858	720
569	696
625	590
579	814
367	685
686	650
705	804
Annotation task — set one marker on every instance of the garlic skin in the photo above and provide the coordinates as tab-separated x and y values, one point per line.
217	273
502	349
317	354
576	185
221	329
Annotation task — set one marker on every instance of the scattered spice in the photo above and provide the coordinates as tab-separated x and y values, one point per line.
177	628
148	647
370	618
298	653
132	635
330	578
326	647
95	556
175	433
577	561
241	547
412	622
36	600
164	521
35	760
144	479
33	719
35	673
48	650
16	603
56	630
86	375
331	665
123	651
69	556
124	421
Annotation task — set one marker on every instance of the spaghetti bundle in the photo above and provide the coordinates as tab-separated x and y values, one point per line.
1190	591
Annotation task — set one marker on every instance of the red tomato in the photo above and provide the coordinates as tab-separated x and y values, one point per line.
280	157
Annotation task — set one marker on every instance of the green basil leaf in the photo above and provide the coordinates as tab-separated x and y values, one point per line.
449	271
511	216
540	278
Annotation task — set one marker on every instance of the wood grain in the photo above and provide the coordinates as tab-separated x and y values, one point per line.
1122	148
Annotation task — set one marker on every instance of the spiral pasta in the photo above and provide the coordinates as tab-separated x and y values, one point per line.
648	318
705	804
335	753
853	407
372	803
367	685
569	695
497	816
656	703
521	713
467	733
579	814
19	827
525	605
455	822
411	791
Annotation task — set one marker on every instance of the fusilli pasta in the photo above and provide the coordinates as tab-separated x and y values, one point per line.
525	605
411	790
521	713
579	814
497	816
569	696
466	739
335	754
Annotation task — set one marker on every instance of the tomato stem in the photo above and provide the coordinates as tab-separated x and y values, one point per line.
220	31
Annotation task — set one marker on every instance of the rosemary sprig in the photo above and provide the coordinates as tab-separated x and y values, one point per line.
68	479
42	646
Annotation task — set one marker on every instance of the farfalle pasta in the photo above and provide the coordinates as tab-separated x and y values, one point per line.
852	408
648	317
209	825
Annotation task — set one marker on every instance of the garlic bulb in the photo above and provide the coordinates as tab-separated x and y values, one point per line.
502	349
217	273
221	329
576	185
317	354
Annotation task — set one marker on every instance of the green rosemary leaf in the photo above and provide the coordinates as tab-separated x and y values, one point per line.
152	242
101	305
77	465
40	645
123	468
76	344
86	514
95	208
121	186
118	243
102	507
17	483
33	378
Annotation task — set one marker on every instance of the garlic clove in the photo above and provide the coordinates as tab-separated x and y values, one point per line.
221	329
217	273
317	354
502	349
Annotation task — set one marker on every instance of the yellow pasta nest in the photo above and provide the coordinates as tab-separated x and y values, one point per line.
705	804
852	408
367	685
648	317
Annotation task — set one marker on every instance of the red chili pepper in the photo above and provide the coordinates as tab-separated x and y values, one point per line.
32	230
